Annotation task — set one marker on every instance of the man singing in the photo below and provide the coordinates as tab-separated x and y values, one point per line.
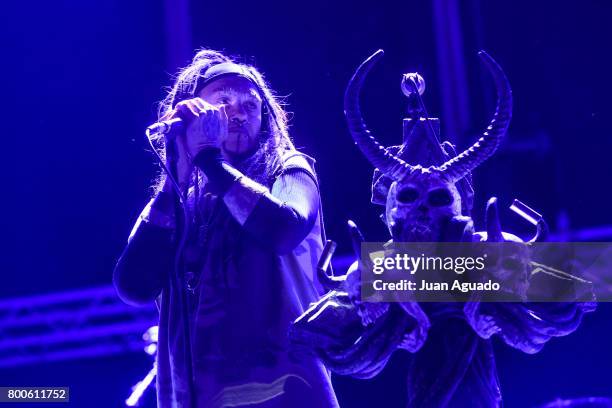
255	235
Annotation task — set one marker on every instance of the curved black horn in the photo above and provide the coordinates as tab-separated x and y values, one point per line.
494	230
459	166
541	234
371	149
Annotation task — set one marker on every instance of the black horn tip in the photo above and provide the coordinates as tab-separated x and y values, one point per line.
494	231
486	58
484	55
354	230
374	57
493	67
356	237
359	75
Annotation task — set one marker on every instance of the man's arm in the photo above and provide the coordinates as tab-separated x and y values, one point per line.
280	218
141	272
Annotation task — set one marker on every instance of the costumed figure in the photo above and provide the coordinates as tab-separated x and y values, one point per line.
426	190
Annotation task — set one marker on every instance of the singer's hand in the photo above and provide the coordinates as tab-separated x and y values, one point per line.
206	124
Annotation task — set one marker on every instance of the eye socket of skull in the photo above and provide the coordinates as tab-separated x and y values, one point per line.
512	264
407	195
440	197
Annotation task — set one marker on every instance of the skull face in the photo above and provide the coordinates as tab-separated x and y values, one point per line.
419	204
512	266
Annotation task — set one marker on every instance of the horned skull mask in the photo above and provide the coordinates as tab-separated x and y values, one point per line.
421	199
418	204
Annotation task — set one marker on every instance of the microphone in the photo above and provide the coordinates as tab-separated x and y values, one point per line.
167	126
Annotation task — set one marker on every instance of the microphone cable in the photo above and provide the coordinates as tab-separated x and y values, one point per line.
178	281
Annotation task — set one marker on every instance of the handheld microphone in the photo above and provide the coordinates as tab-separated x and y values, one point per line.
166	127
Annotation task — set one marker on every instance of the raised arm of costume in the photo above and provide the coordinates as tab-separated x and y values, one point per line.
142	269
280	218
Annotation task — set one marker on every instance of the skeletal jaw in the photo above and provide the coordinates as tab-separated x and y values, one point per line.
419	204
